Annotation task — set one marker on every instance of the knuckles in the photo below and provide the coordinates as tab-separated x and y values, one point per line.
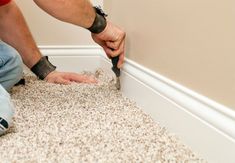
123	34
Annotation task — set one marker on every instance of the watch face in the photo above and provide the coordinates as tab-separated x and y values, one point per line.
3	124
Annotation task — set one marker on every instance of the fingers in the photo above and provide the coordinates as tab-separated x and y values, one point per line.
112	39
67	78
59	80
119	51
62	81
114	45
74	77
54	77
107	52
121	60
117	44
122	56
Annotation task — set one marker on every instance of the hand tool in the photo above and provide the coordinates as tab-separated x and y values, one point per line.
117	71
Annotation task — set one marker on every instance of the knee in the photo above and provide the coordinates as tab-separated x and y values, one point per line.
16	72
6	111
18	67
12	71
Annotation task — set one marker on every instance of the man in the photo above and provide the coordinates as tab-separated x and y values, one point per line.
17	45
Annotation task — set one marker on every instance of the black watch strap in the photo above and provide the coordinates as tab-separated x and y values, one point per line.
43	67
100	22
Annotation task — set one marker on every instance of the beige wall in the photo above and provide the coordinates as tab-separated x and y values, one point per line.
190	42
49	31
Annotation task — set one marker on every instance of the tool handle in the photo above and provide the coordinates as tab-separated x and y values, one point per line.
115	69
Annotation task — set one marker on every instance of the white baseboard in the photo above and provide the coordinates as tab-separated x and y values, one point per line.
204	125
73	58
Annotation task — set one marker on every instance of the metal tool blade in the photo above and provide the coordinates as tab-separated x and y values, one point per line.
118	84
117	72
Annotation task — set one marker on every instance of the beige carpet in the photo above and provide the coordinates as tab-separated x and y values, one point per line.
85	123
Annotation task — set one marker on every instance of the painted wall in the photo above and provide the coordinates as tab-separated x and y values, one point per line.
49	31
190	42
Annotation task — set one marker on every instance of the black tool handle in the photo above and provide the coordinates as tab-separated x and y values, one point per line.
115	69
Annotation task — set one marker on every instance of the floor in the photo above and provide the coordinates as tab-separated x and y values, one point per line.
85	123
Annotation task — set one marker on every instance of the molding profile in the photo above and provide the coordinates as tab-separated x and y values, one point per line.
73	58
73	50
219	116
205	125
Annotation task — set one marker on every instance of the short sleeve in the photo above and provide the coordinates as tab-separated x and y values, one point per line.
4	2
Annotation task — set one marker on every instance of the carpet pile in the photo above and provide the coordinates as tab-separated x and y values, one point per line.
85	123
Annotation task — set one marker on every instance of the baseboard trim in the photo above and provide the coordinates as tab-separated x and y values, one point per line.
183	111
86	50
215	114
205	125
73	58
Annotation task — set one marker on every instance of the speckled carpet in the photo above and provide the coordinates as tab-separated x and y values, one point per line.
85	123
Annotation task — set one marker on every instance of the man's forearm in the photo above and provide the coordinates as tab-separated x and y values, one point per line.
14	31
78	12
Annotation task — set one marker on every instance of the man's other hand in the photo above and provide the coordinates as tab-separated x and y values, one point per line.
68	78
112	40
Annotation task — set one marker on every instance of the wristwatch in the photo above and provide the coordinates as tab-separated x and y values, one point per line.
100	22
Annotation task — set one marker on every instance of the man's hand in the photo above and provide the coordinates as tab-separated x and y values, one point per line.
68	78
112	40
